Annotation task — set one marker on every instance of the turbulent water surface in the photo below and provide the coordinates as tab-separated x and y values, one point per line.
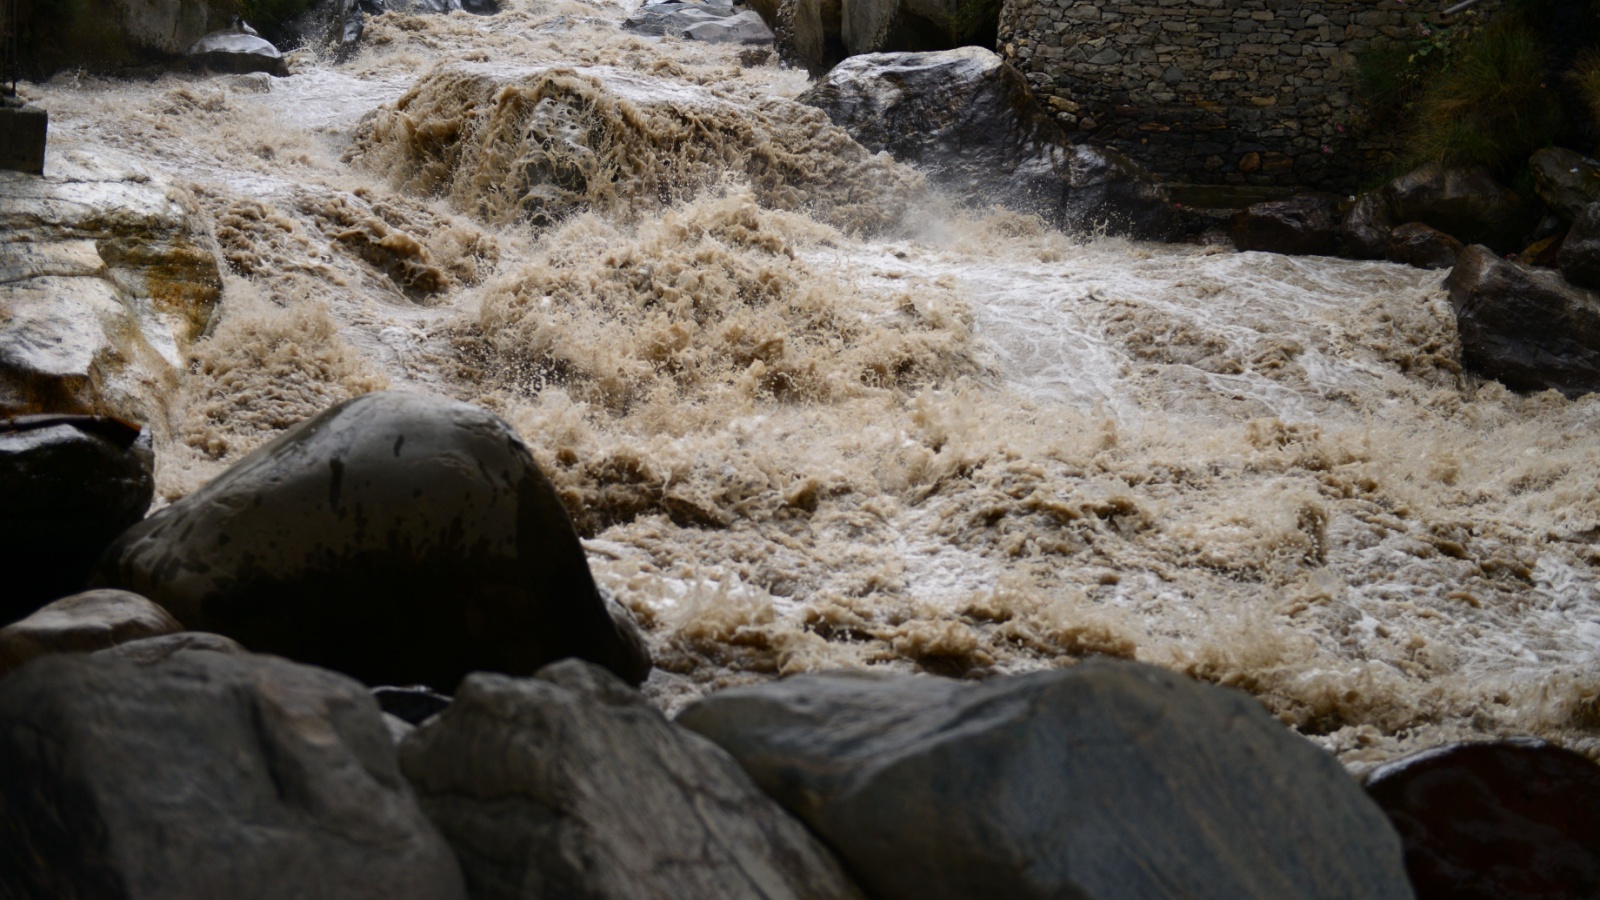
808	415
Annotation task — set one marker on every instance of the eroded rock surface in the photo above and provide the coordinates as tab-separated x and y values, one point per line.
1107	780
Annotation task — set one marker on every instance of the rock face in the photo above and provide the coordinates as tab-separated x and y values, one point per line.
1579	257
233	51
1105	780
1415	244
1302	225
399	538
1566	181
206	776
68	486
1524	327
1465	203
83	623
572	785
970	121
1513	820
106	274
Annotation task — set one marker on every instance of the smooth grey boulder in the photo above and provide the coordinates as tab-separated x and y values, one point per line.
206	776
83	623
1465	203
398	538
1579	256
68	486
970	121
741	28
675	16
1107	780
237	52
570	784
1567	181
1302	225
1523	326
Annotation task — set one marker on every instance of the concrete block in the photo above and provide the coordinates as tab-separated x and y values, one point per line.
22	136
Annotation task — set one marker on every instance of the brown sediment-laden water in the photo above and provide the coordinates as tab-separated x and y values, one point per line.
807	414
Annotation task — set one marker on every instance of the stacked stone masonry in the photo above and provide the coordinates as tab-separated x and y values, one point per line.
1250	92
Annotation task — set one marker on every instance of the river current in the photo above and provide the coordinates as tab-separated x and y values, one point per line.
808	414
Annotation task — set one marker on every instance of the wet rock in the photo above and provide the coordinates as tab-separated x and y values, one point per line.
809	33
206	776
236	52
1364	231
1302	225
1565	180
742	28
971	122
1543	253
24	132
675	16
1579	257
151	650
570	784
107	273
1465	203
1415	244
83	623
398	538
1525	327
410	704
1510	820
1110	779
68	486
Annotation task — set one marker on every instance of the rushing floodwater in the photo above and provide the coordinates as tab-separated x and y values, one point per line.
821	419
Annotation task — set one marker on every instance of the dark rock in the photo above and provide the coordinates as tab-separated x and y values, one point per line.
399	538
151	650
1364	231
1109	779
410	704
1302	225
83	623
1415	244
889	26
570	784
970	121
1511	820
23	132
1543	253
1579	257
1525	327
742	28
68	486
1465	203
235	51
206	776
1565	180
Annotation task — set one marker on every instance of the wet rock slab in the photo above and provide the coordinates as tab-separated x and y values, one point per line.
1107	780
206	776
1525	327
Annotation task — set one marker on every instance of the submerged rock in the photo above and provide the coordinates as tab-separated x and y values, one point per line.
1509	820
83	623
1302	225
398	538
970	121
237	52
570	784
206	776
1523	326
68	486
1106	780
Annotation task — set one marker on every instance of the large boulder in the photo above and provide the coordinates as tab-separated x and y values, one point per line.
1579	256
1415	244
237	52
1107	780
1465	203
83	623
1508	820
206	776
398	538
971	122
572	785
1302	225
1366	226
1523	326
107	273
1567	181
68	486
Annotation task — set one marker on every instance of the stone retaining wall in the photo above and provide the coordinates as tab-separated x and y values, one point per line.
1249	92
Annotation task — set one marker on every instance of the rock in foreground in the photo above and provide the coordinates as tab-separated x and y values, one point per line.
1108	780
572	785
1527	328
206	776
398	538
1510	820
971	122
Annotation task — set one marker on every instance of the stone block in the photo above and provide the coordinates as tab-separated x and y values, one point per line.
22	136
